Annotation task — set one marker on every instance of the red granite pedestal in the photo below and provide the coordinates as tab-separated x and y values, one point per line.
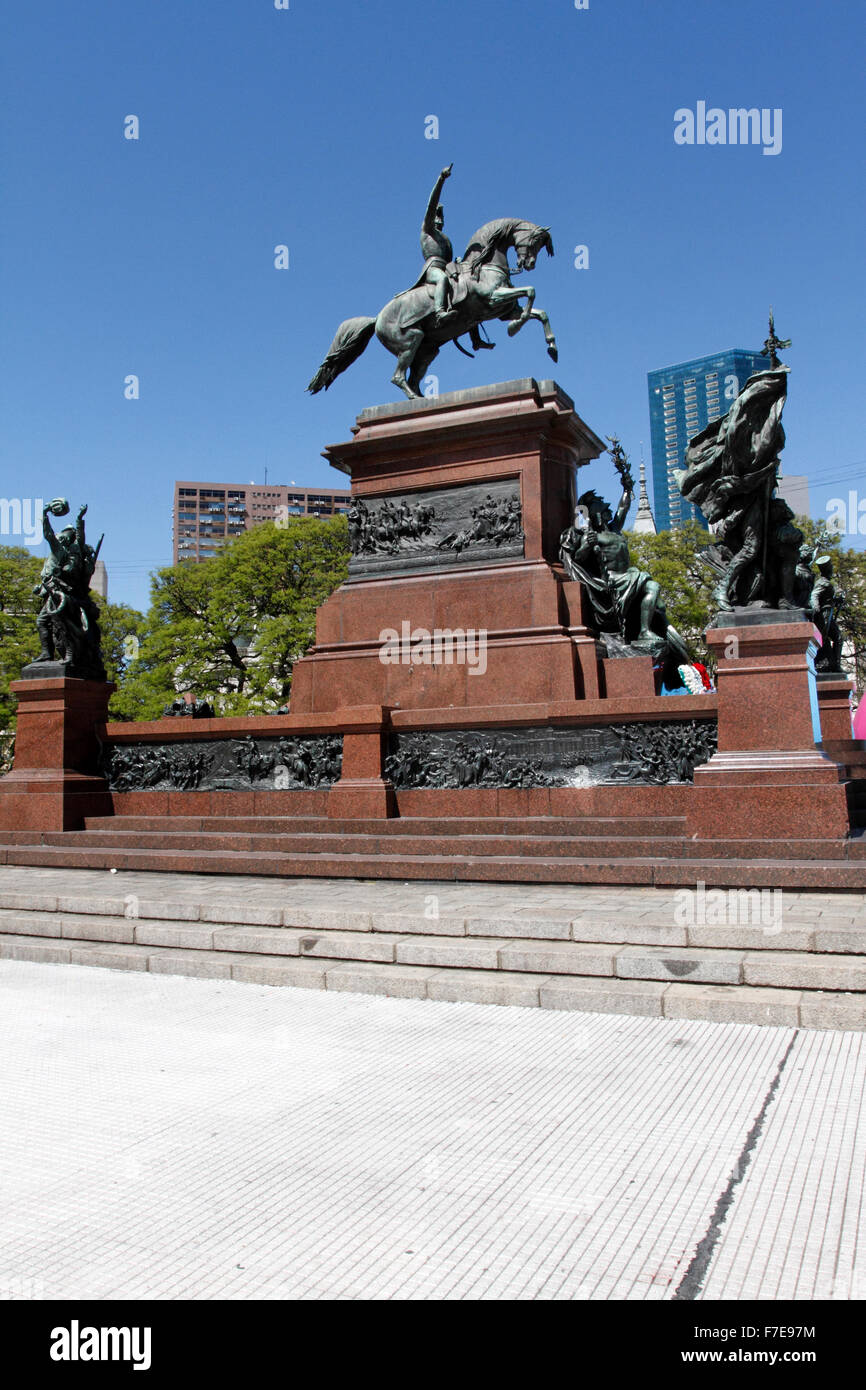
769	780
54	782
525	435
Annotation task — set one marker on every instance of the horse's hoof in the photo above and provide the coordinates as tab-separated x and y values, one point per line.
514	328
552	352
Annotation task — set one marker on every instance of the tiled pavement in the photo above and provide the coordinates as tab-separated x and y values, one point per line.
166	1137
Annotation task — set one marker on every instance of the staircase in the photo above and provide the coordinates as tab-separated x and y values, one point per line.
797	960
537	849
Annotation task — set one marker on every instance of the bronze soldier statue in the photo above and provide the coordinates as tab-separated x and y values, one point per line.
804	576
824	605
440	269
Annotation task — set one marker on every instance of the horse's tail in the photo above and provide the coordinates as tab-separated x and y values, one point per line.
349	342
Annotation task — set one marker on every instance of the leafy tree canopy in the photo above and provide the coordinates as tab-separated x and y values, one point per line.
19	640
230	629
673	558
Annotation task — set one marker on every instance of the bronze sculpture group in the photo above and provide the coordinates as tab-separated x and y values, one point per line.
449	298
731	472
68	621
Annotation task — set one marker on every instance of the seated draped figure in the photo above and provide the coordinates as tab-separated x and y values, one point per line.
626	601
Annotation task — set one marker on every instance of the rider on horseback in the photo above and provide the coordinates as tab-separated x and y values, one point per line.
448	299
436	248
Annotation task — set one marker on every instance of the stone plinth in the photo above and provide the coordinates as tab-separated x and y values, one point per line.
54	782
624	676
834	706
362	791
519	442
769	779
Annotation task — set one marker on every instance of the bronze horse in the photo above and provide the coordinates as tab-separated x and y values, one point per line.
413	331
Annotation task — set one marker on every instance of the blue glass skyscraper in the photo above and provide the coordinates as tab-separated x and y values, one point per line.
683	399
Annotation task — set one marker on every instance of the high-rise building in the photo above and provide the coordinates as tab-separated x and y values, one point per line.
206	515
683	399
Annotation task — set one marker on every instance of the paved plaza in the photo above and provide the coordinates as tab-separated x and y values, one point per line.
167	1137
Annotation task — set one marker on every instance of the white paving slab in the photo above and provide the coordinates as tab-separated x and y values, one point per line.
798	1227
167	1137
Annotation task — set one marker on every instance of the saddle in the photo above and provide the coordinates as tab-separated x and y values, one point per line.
457	273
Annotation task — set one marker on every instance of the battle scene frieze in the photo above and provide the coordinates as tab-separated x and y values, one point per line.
649	753
236	764
438	528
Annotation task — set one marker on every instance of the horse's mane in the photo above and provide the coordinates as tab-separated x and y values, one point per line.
490	233
493	235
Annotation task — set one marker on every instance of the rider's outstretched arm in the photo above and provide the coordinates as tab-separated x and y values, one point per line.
429	224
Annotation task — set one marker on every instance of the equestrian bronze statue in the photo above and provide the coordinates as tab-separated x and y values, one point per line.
450	298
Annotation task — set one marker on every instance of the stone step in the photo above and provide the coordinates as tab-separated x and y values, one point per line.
763	923
634	826
528	847
663	947
788	993
496	868
325	842
771	850
741	920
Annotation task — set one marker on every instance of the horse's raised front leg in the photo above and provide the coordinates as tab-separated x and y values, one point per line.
509	299
525	314
548	333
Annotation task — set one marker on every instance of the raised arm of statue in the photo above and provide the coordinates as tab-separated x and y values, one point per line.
48	533
79	528
429	223
622	511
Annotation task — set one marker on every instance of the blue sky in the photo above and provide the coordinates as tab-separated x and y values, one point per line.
306	127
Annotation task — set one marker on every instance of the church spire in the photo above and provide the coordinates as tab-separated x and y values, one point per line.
644	521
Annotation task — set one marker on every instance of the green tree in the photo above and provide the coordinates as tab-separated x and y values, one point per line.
230	629
122	629
673	558
19	640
